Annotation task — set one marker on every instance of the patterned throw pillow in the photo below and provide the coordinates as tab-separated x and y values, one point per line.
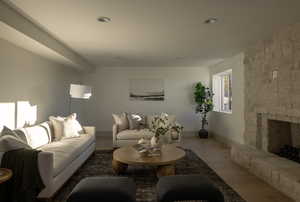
136	121
121	121
7	131
9	140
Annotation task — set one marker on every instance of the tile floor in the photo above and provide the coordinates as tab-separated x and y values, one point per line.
217	156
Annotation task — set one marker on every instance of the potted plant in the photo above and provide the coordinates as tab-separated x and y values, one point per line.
204	99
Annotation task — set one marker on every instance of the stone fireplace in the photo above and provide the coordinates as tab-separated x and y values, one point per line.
272	110
279	134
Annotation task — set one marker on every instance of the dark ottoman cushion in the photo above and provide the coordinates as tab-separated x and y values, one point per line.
104	189
187	187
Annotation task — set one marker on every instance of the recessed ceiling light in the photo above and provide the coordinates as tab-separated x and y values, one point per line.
104	19
211	21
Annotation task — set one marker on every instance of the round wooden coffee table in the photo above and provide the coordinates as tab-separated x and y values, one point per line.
5	174
165	163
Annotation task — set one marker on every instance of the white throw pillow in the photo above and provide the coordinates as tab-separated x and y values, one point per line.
8	143
36	136
76	123
121	120
70	128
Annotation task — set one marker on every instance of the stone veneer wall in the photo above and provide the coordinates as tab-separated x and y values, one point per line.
263	94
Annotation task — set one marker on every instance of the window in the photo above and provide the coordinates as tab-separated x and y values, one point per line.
222	89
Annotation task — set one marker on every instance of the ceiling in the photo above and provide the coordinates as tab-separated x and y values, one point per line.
158	33
18	38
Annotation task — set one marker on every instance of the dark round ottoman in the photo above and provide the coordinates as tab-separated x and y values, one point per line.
187	187
104	189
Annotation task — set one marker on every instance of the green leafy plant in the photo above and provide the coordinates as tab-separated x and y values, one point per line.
204	99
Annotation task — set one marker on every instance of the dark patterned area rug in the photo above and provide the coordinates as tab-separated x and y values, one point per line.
99	164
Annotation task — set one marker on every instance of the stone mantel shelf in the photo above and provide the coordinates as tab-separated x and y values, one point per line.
279	117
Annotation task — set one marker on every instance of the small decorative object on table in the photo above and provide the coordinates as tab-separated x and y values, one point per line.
164	132
145	149
163	128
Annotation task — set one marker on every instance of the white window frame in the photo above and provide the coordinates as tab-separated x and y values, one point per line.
217	87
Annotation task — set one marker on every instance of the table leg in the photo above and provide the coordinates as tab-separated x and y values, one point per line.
165	170
119	167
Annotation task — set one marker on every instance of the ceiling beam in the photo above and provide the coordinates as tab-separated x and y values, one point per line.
13	17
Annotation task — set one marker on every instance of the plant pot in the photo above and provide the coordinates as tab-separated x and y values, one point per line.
203	134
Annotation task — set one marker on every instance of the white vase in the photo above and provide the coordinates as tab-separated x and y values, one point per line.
154	141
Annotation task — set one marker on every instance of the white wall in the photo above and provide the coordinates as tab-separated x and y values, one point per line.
25	76
111	94
230	127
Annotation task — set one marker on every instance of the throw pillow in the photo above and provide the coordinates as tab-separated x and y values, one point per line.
58	127
133	122
9	142
121	120
70	128
66	127
36	136
136	121
76	123
7	131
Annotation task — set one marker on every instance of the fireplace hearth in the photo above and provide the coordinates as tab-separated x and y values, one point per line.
275	159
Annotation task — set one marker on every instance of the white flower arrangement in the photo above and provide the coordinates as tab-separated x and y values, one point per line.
161	126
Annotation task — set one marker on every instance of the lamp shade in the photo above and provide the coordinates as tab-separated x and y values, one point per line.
80	91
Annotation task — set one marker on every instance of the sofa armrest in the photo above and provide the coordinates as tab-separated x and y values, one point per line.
46	165
91	130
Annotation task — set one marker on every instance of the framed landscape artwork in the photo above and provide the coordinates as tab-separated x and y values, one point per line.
146	89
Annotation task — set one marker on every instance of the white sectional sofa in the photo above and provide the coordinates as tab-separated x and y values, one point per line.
58	160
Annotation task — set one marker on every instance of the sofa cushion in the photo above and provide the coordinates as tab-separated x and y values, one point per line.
67	150
134	134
